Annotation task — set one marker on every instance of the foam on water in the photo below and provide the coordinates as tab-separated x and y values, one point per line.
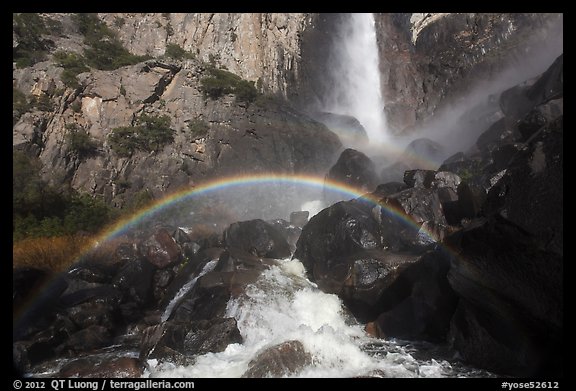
283	306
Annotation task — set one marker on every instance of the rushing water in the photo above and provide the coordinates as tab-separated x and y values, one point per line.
284	306
355	71
186	288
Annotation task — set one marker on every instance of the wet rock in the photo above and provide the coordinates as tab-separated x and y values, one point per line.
471	198
354	169
189	339
134	281
86	340
510	316
26	280
419	302
337	231
161	250
121	367
419	178
257	237
93	313
389	188
538	117
290	231
44	344
369	273
402	216
160	282
530	192
280	360
445	180
498	134
211	336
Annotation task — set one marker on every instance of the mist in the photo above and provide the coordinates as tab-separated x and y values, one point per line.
456	125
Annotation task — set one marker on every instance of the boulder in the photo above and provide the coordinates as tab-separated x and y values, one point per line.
530	193
355	169
389	188
348	128
280	360
86	340
189	339
418	303
92	367
161	250
510	316
419	178
257	237
403	215
134	281
340	230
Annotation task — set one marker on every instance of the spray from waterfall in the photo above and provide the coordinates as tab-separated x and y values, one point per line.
354	65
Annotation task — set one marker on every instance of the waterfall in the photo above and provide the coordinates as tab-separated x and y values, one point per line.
186	288
355	74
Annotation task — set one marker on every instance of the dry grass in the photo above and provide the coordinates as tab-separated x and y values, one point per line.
55	253
59	253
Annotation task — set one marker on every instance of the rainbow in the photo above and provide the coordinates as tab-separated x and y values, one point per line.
230	182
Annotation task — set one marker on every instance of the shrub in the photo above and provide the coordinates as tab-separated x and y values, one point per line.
176	52
20	105
198	127
42	103
221	82
31	48
73	65
119	22
150	134
80	143
76	106
106	51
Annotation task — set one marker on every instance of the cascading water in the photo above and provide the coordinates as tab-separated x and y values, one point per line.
284	306
355	74
186	288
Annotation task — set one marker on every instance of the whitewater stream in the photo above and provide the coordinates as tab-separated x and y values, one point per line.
283	305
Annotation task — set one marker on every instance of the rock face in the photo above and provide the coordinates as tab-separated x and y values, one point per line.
415	50
510	314
255	46
213	137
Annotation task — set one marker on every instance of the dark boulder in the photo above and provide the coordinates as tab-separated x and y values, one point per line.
530	193
211	336
280	360
92	367
337	231
96	312
289	231
419	178
134	281
189	338
411	219
43	345
389	188
257	237
26	281
538	117
354	169
86	340
418	303
510	316
369	273
210	295
160	249
498	134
